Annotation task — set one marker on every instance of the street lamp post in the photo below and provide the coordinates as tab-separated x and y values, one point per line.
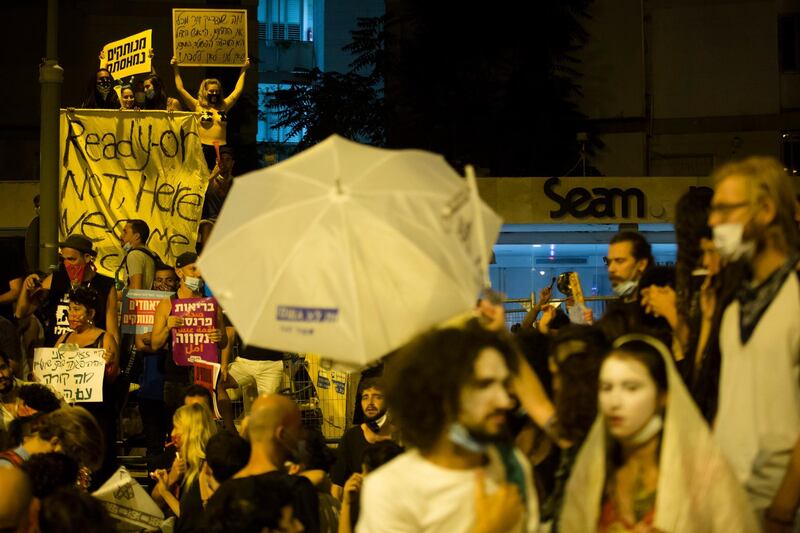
51	76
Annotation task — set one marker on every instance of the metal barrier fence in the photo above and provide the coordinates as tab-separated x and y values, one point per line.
517	308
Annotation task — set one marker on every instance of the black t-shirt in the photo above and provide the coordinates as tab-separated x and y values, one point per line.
348	455
304	496
191	505
11	267
56	306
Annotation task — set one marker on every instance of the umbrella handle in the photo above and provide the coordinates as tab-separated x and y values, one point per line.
472	183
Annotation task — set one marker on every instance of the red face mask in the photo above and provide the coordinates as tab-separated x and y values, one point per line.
75	272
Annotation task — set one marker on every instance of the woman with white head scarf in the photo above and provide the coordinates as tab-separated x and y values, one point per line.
649	462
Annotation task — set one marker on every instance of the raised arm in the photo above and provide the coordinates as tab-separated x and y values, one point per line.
151	53
187	98
532	396
112	314
33	292
162	324
237	91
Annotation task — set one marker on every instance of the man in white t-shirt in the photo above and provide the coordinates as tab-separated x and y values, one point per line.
448	392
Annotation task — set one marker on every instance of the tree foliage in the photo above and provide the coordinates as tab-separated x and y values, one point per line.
318	104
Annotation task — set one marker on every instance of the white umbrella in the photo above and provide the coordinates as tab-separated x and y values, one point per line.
347	250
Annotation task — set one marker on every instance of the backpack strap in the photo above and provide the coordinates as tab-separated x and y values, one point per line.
12	457
154	256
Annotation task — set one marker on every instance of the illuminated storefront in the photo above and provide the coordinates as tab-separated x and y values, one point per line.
554	225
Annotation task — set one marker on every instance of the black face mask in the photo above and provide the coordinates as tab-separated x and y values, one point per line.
213	98
104	83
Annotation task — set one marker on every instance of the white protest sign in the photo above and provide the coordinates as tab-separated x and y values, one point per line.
126	501
77	374
130	55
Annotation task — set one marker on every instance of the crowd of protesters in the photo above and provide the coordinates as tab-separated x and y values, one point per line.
677	409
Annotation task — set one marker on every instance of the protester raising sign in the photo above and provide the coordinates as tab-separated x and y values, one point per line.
139	310
190	341
204	37
118	166
130	55
76	374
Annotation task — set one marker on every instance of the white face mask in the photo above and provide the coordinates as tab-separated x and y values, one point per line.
193	284
624	288
127	247
728	239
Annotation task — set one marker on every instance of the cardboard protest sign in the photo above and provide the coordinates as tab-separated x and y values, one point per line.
130	55
127	502
120	165
76	374
207	376
210	37
190	341
139	310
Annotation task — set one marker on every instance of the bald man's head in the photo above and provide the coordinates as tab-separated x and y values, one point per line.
269	414
16	501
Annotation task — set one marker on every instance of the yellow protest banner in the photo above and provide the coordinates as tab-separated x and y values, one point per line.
130	55
206	37
122	165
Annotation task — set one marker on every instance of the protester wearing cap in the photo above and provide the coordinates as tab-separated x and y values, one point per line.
51	295
177	378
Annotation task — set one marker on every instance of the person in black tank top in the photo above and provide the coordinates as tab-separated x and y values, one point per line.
50	296
84	333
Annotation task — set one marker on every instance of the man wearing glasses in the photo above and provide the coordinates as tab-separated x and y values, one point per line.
753	220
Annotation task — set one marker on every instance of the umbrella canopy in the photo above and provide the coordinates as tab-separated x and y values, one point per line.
347	250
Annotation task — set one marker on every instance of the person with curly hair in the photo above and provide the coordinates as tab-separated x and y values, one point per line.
51	471
574	360
69	430
73	511
449	395
253	503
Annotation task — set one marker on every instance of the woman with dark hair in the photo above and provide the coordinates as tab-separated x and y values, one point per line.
574	362
649	462
127	99
156	98
100	93
83	303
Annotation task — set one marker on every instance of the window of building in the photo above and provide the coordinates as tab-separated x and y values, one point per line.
789	42
269	117
286	20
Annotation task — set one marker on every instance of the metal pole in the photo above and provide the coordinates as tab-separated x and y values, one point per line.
51	76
